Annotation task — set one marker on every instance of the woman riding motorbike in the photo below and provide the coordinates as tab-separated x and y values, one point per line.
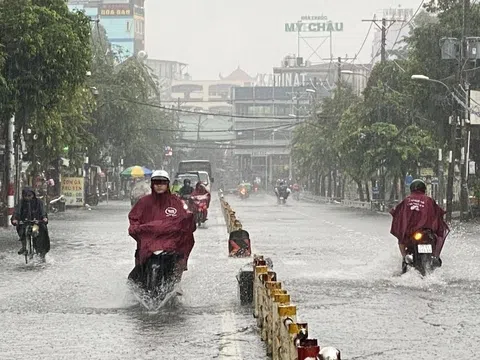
161	221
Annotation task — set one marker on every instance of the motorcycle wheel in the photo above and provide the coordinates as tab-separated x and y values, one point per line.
151	283
424	264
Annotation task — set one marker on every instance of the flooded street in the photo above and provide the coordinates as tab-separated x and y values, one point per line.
342	269
340	266
78	305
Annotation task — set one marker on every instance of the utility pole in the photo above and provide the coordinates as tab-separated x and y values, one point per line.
383	58
339	66
339	72
451	163
10	162
383	28
463	80
199	125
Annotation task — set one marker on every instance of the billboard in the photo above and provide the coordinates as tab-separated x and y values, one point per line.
122	10
310	23
73	191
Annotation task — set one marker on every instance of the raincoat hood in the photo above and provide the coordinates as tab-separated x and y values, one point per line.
28	189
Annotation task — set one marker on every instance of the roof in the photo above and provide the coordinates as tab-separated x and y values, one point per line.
237	75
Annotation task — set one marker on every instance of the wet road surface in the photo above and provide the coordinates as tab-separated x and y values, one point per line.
78	305
342	269
340	266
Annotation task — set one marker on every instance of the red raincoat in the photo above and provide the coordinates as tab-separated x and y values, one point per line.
415	212
201	190
161	222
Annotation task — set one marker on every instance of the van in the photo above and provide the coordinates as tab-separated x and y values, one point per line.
196	165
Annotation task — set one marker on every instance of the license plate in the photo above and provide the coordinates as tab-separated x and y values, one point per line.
424	249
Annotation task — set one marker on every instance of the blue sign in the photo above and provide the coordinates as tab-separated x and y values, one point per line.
408	180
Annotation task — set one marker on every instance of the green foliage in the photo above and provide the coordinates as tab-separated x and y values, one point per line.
399	122
126	123
47	55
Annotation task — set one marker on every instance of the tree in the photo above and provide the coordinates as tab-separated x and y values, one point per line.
128	124
47	55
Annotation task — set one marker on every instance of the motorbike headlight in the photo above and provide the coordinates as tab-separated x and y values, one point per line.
418	236
35	230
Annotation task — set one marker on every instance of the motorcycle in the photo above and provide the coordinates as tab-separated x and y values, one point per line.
57	204
282	197
243	193
157	277
32	232
420	252
199	208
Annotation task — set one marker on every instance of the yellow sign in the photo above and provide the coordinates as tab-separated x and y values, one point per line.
73	191
116	12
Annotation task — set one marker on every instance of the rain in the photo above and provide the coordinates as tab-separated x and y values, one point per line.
149	152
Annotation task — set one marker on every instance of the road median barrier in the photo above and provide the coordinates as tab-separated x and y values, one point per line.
238	239
285	337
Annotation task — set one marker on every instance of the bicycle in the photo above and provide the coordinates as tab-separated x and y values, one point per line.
32	230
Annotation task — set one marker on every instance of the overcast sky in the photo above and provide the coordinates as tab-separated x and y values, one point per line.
216	36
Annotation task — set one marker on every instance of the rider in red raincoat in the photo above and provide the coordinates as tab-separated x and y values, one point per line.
200	190
419	211
161	220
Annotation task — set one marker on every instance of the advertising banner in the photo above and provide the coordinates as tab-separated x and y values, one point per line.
116	10
73	191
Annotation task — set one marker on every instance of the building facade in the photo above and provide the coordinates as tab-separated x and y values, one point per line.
166	72
196	97
123	20
275	104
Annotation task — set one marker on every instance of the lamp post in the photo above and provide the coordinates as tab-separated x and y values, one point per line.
451	156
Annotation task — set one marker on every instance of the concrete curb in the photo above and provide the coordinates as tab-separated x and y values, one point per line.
238	239
285	338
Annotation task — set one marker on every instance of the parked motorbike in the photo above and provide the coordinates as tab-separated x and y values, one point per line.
420	252
157	277
57	204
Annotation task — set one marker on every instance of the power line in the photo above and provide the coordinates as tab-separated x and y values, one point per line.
281	127
363	43
407	23
166	108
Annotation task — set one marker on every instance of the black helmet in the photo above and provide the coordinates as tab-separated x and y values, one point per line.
186	182
418	185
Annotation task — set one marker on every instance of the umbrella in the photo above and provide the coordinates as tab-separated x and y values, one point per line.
136	171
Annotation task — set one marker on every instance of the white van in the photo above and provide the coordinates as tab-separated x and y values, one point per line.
205	179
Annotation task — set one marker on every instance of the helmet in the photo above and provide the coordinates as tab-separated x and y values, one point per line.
160	175
418	185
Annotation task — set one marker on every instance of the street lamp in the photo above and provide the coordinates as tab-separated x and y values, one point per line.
426	78
350	72
451	155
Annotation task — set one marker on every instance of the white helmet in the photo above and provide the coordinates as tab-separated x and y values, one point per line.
160	175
